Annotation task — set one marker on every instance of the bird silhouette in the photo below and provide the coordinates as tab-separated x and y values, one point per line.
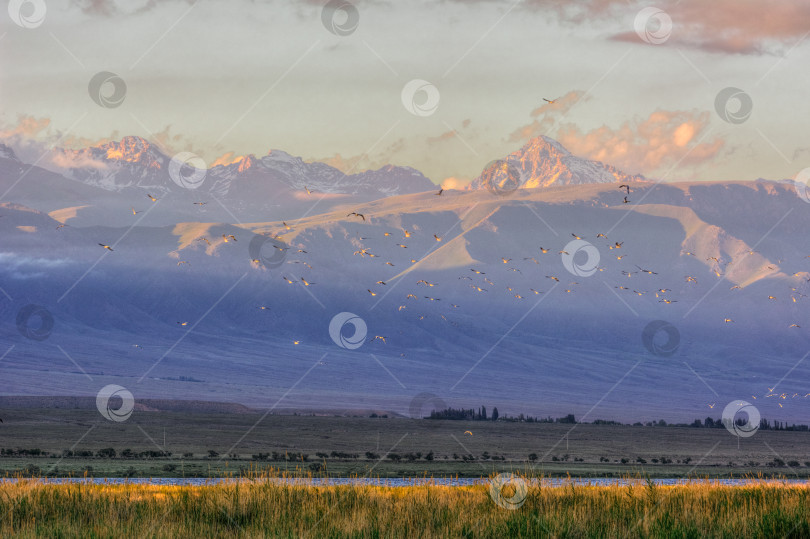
106	247
360	215
153	199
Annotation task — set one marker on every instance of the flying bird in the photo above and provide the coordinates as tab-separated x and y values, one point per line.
466	431
61	226
199	203
360	215
153	199
625	186
440	192
437	237
550	101
135	212
106	247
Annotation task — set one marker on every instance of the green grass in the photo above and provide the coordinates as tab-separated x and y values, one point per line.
259	508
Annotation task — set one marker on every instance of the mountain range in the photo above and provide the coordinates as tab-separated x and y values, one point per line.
474	296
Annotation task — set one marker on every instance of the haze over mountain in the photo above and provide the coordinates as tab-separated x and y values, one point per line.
539	330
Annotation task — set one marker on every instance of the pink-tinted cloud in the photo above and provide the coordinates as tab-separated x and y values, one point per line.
452	182
723	26
546	116
226	159
26	126
649	146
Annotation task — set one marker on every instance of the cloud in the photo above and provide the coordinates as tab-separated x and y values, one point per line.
452	182
228	158
358	163
546	116
26	126
662	140
67	160
110	8
15	261
720	26
447	135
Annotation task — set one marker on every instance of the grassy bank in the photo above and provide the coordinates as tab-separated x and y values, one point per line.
30	508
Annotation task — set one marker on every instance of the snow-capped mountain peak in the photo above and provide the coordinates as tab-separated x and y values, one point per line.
544	162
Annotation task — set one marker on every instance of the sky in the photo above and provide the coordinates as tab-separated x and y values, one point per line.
636	86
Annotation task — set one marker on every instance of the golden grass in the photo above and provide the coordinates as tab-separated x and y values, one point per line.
263	508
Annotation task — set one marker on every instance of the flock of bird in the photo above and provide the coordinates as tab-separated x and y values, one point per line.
495	280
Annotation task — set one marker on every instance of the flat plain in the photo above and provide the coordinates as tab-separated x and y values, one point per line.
229	444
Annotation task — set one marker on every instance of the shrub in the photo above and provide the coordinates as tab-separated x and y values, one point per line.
106	453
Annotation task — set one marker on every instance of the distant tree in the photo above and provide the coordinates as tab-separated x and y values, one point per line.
484	413
495	414
106	453
212	454
533	457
